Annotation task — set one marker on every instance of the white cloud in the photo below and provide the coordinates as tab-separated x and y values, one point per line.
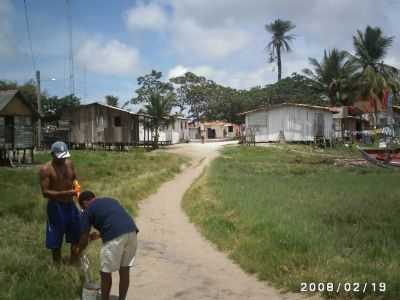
150	16
110	58
7	48
236	79
191	38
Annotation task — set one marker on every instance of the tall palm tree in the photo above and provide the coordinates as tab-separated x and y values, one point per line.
159	108
375	77
280	41
332	76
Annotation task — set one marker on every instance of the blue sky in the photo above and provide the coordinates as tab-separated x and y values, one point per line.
224	40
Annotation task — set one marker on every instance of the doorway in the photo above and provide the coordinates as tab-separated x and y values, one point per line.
211	133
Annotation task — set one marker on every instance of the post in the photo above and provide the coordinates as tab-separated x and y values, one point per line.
39	104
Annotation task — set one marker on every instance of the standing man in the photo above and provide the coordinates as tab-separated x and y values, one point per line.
118	232
56	181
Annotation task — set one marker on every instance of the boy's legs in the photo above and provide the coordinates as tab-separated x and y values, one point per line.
106	281
123	282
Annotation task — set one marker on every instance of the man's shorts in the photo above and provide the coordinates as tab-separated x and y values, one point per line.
62	218
119	252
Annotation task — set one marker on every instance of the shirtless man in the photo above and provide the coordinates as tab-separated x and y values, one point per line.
56	181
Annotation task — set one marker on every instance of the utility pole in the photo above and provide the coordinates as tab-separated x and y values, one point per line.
39	104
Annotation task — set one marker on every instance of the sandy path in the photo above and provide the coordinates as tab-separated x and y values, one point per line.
174	261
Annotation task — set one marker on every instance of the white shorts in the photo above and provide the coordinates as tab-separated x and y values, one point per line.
119	252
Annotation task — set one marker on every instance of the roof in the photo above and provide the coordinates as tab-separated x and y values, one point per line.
8	95
129	112
270	107
116	108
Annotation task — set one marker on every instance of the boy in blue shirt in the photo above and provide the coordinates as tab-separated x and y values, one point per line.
118	232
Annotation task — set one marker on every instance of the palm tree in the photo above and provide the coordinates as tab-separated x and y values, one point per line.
159	108
332	76
280	41
374	77
112	100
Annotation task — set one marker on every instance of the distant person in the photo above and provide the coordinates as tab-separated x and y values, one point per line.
56	181
118	232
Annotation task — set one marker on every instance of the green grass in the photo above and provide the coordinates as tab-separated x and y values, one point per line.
290	215
26	270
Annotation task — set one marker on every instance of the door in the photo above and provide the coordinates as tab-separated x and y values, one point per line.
9	131
211	133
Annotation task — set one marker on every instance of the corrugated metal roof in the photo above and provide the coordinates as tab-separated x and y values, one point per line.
6	97
270	107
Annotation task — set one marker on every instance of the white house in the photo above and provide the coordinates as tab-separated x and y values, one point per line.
176	132
289	122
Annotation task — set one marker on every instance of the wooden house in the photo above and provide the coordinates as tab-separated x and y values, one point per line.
98	124
289	122
17	119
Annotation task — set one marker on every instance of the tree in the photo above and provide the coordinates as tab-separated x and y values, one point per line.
159	98
112	100
159	108
52	107
333	76
375	77
280	41
193	92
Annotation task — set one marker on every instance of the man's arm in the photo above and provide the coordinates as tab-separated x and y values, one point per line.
84	240
44	175
74	176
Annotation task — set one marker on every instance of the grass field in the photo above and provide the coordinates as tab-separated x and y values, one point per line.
26	271
290	215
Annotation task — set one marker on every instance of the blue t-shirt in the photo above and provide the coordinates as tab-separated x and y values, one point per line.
108	217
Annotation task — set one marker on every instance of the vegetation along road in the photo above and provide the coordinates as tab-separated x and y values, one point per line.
174	261
290	214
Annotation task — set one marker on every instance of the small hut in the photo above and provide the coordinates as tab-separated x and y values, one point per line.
17	117
290	122
99	125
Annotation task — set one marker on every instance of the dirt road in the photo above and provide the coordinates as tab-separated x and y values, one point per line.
174	261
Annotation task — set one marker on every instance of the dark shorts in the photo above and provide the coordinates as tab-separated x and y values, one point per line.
62	218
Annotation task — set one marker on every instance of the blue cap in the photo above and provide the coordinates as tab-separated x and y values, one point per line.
60	150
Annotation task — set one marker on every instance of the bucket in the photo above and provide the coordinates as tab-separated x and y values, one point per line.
90	291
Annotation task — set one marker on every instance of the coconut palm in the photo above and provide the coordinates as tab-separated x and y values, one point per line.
280	41
375	77
159	108
333	76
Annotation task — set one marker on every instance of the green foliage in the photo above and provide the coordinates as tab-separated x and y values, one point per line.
158	97
194	92
151	84
27	271
333	76
112	100
52	107
280	41
290	215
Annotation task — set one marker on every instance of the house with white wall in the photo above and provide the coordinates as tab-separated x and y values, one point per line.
289	122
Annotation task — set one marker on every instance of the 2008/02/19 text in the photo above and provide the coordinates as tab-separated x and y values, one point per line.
357	287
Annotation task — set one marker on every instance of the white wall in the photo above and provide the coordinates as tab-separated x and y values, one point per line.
294	123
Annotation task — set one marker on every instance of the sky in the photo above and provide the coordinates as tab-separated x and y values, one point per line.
114	42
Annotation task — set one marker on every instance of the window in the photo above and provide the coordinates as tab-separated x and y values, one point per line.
117	121
230	128
181	124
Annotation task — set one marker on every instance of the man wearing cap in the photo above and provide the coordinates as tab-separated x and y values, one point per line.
56	181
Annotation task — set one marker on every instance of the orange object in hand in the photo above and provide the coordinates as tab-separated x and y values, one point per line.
77	187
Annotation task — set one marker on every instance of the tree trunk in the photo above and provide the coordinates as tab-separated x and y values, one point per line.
375	114
155	140
278	53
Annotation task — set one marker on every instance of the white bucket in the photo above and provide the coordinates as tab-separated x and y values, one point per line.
90	291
